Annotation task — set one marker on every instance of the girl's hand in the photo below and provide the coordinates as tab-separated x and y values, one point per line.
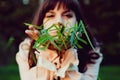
32	33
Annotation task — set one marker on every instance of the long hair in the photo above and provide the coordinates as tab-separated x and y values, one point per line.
83	54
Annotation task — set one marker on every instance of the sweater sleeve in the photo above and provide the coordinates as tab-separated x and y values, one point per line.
93	69
22	57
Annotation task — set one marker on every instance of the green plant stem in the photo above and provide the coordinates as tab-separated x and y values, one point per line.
87	35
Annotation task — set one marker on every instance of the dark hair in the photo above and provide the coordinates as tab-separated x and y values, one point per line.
50	4
84	54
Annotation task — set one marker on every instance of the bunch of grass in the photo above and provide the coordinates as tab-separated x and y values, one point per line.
64	37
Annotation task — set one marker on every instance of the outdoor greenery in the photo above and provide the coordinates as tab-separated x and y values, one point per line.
106	73
109	73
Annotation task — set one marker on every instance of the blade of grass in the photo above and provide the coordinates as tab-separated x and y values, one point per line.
82	25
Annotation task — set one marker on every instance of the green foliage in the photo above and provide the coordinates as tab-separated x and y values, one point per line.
9	43
64	37
11	73
109	73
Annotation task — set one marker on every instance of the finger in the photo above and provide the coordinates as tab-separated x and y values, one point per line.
28	32
32	34
31	27
36	32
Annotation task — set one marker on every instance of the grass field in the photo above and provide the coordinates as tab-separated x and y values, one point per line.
109	73
106	73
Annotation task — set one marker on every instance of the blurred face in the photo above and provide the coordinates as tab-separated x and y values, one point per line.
59	16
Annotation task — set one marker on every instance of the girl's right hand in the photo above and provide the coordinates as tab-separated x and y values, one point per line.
32	33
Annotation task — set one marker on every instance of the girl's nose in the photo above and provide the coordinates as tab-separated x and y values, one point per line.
59	21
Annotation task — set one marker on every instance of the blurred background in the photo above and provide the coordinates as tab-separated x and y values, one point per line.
103	16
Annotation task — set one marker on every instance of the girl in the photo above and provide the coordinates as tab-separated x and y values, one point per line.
71	64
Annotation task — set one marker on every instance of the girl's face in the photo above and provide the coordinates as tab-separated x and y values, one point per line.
59	16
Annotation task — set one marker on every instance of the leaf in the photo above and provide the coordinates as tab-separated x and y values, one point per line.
41	40
37	27
87	35
82	40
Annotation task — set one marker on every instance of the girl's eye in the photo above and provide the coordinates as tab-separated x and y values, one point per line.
68	15
49	15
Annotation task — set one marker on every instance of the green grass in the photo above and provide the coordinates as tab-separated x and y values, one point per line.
9	72
106	73
109	73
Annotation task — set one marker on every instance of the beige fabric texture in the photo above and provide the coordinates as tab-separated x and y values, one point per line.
49	67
